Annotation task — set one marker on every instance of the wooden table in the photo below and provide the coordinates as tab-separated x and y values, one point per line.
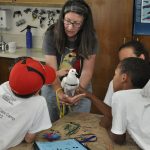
89	123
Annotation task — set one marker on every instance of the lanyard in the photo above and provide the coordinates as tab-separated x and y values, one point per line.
61	106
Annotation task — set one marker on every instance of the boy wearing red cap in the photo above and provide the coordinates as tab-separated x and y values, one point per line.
23	112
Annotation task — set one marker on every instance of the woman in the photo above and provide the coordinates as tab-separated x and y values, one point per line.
70	43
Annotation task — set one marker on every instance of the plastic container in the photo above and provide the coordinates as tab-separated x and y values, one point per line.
28	36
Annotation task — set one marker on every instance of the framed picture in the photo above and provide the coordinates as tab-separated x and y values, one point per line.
141	25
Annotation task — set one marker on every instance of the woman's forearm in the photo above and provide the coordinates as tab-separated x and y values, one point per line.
87	71
85	79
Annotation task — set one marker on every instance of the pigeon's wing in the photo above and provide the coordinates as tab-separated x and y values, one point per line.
69	90
78	82
63	82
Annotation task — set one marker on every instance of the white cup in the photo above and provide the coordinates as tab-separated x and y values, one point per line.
11	47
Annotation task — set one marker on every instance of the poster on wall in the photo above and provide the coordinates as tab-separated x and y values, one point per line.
141	17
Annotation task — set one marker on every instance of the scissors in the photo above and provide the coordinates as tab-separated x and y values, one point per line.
83	138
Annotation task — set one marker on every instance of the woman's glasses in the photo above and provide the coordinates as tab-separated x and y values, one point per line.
75	24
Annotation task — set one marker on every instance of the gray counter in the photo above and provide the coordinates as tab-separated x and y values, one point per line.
34	53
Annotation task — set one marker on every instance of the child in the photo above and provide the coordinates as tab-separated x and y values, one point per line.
129	110
130	49
23	112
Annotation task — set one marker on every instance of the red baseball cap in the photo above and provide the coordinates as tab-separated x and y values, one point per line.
29	75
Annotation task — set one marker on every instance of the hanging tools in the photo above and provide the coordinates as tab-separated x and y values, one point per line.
18	13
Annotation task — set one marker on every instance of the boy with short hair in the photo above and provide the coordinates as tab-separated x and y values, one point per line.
23	112
129	110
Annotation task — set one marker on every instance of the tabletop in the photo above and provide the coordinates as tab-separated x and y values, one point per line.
89	123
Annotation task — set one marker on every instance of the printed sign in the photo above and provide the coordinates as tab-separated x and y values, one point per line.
141	17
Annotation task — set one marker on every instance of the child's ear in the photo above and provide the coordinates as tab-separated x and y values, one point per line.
142	56
124	77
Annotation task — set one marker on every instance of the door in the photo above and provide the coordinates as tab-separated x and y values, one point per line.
113	24
5	66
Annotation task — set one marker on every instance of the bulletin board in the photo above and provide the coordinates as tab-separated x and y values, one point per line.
141	24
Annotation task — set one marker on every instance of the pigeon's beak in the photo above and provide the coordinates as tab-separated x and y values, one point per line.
76	74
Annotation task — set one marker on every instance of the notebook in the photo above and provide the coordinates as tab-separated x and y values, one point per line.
69	144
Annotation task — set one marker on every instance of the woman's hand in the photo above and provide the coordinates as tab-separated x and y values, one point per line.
69	100
62	72
73	100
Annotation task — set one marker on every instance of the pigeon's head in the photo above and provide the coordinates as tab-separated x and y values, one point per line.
72	72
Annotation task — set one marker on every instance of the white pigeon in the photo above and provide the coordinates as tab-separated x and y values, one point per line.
70	83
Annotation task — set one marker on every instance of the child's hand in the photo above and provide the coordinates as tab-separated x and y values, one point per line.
81	90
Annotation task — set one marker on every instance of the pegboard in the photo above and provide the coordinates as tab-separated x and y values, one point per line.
40	17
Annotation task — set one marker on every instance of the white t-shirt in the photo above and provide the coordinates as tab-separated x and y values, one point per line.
19	116
110	91
146	90
131	112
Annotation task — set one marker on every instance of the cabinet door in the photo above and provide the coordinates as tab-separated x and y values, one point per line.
1	1
52	2
5	65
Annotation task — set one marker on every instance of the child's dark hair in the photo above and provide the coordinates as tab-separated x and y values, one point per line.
24	96
138	48
137	69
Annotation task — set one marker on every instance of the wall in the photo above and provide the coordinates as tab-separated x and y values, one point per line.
14	34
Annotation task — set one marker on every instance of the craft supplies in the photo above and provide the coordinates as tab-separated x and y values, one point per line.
83	138
71	128
52	135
